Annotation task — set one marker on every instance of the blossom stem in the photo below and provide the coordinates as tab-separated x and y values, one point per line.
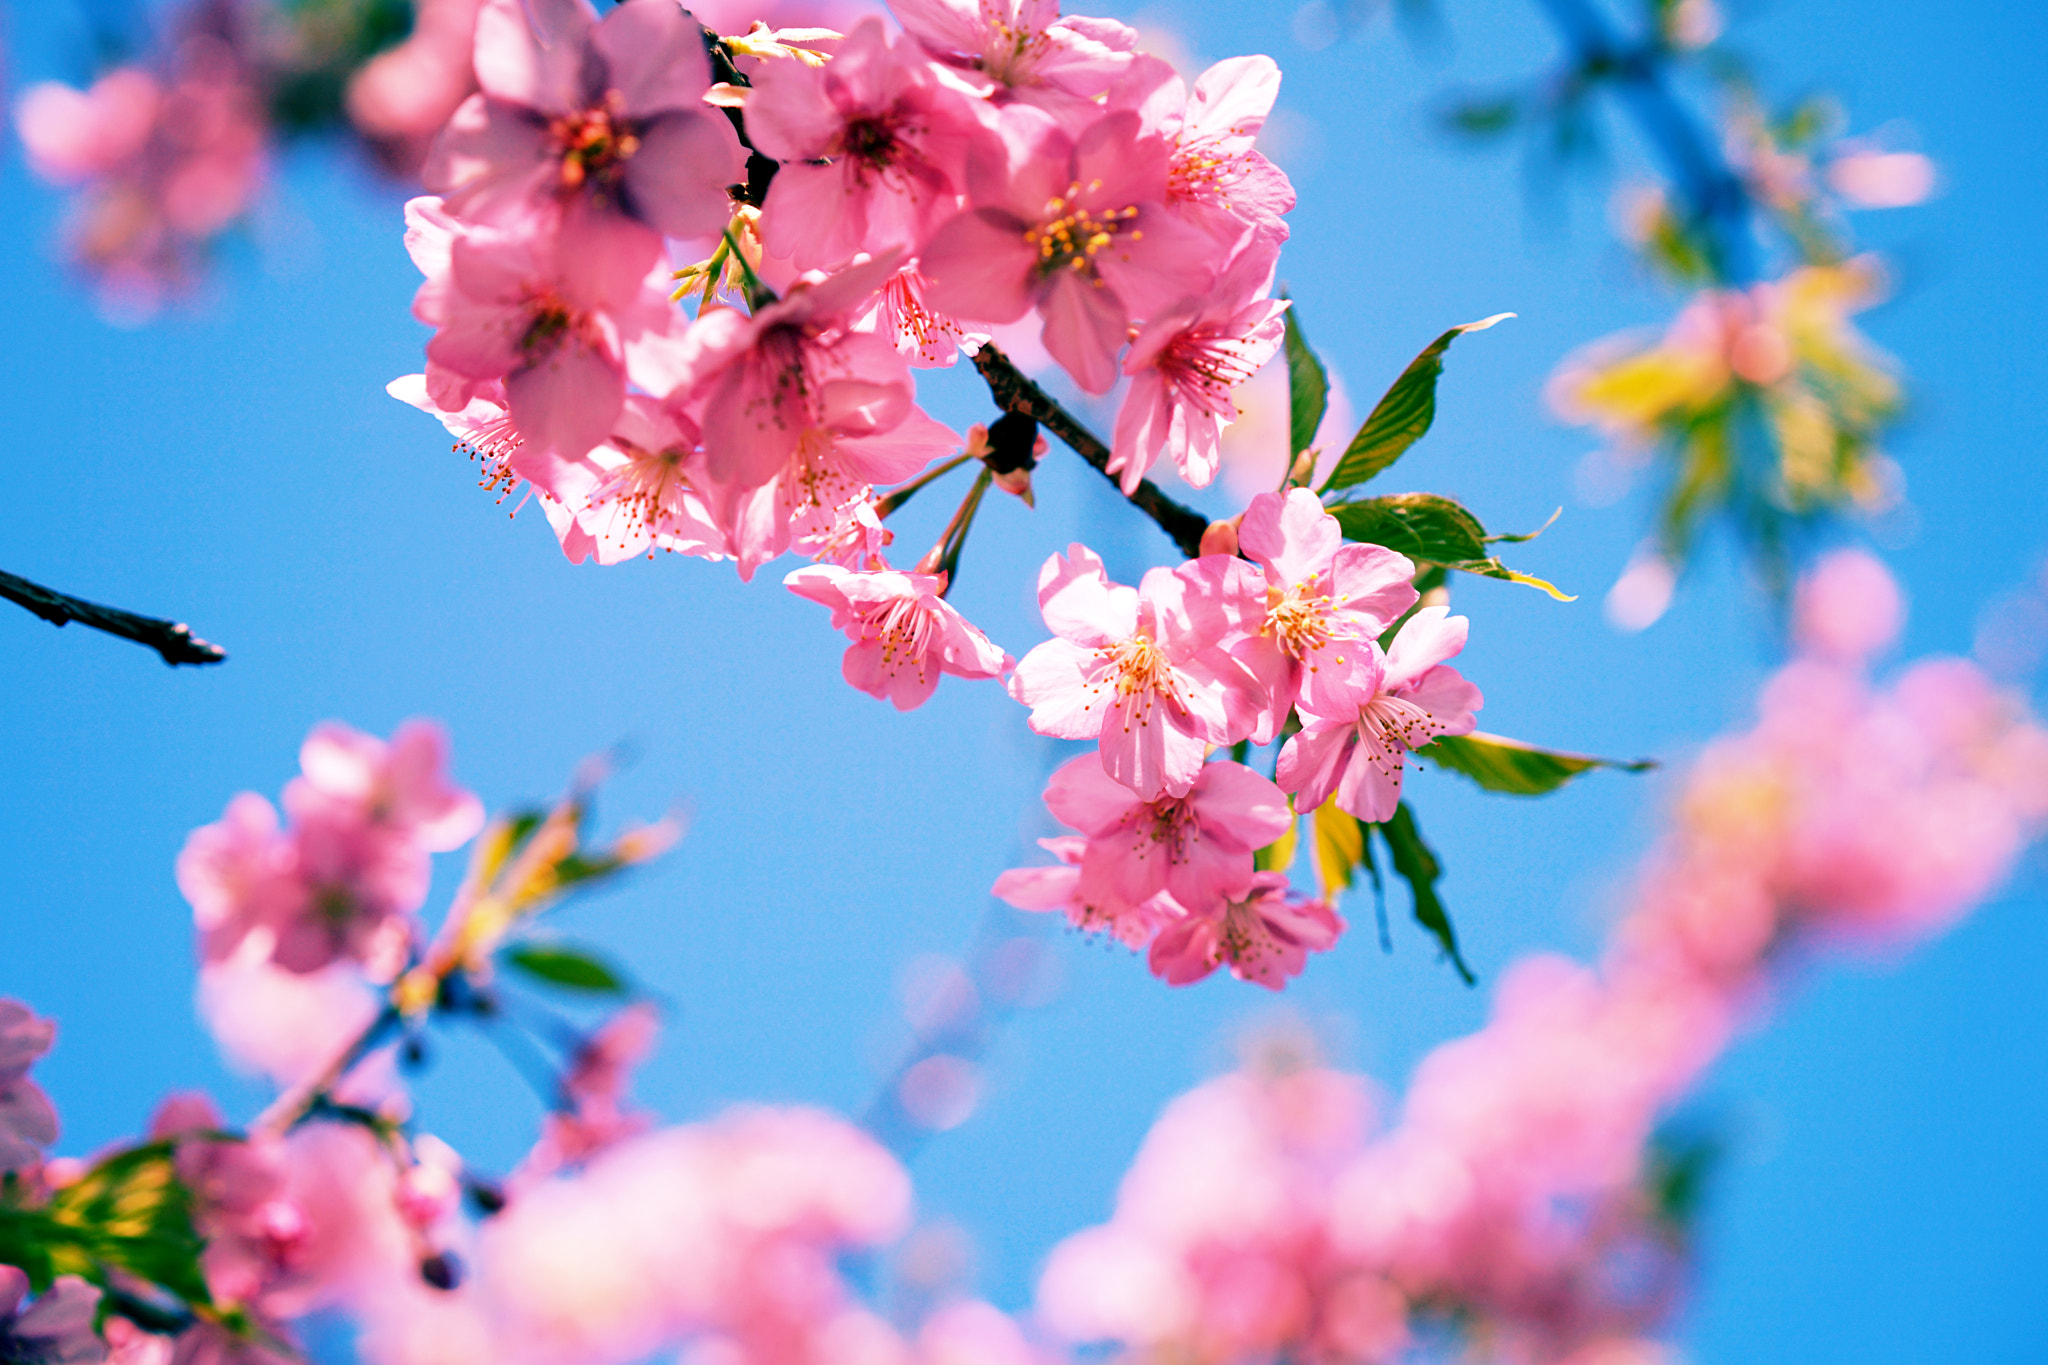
944	558
759	295
173	640
902	493
1015	392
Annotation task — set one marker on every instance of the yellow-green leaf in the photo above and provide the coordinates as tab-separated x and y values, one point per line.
1508	765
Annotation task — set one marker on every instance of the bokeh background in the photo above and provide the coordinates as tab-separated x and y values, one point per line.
237	464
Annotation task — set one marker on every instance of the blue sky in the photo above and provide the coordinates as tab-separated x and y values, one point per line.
239	466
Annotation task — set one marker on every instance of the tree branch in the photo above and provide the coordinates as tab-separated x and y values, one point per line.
174	641
1015	392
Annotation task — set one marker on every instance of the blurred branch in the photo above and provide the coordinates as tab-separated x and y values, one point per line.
1015	392
173	640
1713	192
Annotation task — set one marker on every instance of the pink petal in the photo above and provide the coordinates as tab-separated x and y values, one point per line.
568	401
1240	805
1061	683
1079	602
978	265
1290	534
1428	638
655	53
1085	326
1311	762
1082	796
677	180
538	65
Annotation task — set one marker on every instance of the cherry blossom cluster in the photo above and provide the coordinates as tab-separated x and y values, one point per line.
1506	1205
1282	638
859	206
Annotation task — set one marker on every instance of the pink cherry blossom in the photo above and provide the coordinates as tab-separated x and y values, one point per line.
1265	935
283	1024
400	99
577	109
636	493
28	1121
1326	603
1196	847
904	634
873	146
1218	178
1183	365
1355	739
1059	888
792	378
1073	224
400	785
1022	49
927	338
252	1231
556	307
1141	668
57	1329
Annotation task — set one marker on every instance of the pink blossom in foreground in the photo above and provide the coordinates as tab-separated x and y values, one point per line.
1022	49
252	1231
57	1329
1355	740
873	146
577	109
1197	848
927	338
1327	603
637	493
1059	888
1141	668
791	379
557	311
904	634
1184	363
1074	225
28	1121
1265	935
284	1024
1217	177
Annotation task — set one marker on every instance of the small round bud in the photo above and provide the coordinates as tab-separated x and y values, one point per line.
442	1270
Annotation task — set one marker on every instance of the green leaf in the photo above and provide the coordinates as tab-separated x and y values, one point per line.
575	969
1416	865
1278	856
1403	415
1510	539
1308	389
1679	1167
1493	568
1508	765
1482	117
1423	526
130	1213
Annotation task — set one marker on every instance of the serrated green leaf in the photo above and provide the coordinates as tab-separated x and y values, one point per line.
1308	389
1415	864
1403	415
1508	765
576	969
1278	856
1493	568
1423	526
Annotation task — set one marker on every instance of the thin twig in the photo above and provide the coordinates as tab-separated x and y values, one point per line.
1015	392
173	640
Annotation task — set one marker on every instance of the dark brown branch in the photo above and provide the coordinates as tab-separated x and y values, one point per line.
174	641
1015	392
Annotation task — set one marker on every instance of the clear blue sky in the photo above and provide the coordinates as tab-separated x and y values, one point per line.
240	467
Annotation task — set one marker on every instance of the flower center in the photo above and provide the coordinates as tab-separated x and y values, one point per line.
646	490
1169	824
871	140
492	445
1302	620
1142	666
904	628
1205	367
1073	233
548	320
1392	726
594	144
